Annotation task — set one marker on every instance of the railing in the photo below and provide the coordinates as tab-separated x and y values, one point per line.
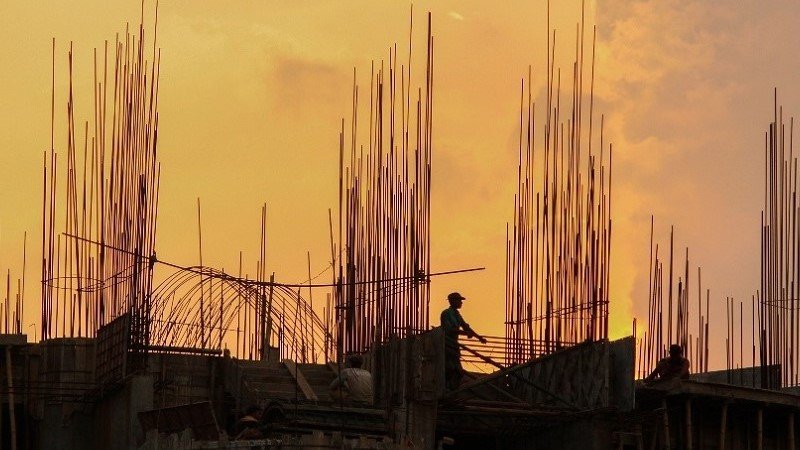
502	351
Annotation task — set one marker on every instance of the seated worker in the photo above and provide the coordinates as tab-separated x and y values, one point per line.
353	384
249	426
671	367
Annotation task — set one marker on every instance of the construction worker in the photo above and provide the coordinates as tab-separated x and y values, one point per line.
671	367
453	325
353	384
249	426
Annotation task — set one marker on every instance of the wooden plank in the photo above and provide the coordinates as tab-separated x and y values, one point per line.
294	370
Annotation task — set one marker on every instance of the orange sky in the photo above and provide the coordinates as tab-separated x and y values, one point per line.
252	94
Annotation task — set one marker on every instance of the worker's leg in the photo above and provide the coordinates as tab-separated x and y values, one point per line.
458	374
452	372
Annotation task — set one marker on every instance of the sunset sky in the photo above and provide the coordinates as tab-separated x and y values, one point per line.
253	92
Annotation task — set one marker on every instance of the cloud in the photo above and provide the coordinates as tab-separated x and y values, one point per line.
455	15
296	82
686	88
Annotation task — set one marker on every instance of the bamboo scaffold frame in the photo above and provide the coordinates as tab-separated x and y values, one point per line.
384	208
558	248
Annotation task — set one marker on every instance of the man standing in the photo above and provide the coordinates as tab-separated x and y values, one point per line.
673	366
453	325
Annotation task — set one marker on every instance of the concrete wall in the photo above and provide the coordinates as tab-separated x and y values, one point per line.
591	433
622	360
746	376
182	379
115	420
65	376
65	430
15	350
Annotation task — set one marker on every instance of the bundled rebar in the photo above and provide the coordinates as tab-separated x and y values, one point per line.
384	209
558	249
780	256
110	198
670	314
12	307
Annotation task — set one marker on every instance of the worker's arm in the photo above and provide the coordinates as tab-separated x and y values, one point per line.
469	332
340	383
479	337
685	369
656	372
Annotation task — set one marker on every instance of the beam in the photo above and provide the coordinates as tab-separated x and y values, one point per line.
725	392
512	371
300	379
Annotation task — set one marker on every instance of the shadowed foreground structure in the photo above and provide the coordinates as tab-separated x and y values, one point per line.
63	396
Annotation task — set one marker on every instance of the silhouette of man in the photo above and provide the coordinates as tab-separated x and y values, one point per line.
671	367
453	325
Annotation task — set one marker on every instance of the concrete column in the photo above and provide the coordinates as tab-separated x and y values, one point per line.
11	416
688	407
722	425
666	424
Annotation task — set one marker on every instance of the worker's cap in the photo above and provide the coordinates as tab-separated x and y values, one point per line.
675	349
455	296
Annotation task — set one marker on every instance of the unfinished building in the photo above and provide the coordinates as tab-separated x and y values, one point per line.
131	360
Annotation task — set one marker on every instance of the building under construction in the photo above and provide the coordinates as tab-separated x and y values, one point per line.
137	352
76	393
